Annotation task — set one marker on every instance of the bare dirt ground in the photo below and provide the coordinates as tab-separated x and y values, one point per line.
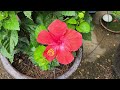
98	55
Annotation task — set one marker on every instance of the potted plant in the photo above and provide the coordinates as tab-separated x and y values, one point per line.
111	21
40	44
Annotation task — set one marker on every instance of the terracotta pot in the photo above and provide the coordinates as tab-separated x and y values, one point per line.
17	75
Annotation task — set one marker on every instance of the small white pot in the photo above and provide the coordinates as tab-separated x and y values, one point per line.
107	18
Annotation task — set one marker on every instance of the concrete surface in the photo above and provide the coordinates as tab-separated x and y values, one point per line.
98	64
3	73
98	54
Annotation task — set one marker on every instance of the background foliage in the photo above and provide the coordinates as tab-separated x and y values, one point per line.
19	30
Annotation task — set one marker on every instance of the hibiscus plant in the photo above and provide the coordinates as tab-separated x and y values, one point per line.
49	38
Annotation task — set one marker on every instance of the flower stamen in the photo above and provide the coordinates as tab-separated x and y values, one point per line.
50	52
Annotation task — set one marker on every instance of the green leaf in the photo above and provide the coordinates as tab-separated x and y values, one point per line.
84	27
24	39
5	53
0	25
38	29
82	20
58	15
12	22
27	21
18	11
71	21
31	57
22	46
33	49
48	19
68	13
39	52
14	37
70	26
40	59
83	11
54	63
33	41
13	40
116	13
81	15
74	54
3	34
88	17
28	14
39	18
92	26
87	36
3	15
6	44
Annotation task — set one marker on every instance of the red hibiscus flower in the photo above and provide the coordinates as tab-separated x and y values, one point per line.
61	42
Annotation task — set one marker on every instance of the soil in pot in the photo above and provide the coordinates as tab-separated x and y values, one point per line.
25	66
113	26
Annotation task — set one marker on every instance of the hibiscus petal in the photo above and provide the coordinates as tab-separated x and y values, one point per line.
44	37
73	40
49	53
64	57
58	28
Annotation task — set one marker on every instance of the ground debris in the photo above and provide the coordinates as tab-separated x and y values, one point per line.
98	56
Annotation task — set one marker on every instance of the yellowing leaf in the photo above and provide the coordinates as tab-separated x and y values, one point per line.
81	15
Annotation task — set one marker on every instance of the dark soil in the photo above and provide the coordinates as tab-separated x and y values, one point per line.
25	66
